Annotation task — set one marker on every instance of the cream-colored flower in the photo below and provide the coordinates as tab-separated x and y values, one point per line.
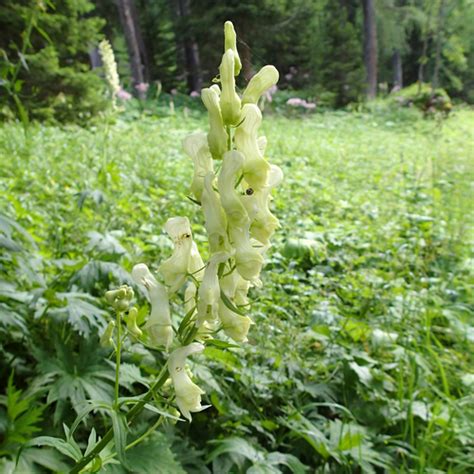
256	167
176	268
261	82
214	216
158	325
209	291
197	148
217	137
110	67
229	100
263	222
230	42
188	394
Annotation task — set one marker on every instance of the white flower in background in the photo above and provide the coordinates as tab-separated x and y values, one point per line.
383	338
158	325
110	67
188	394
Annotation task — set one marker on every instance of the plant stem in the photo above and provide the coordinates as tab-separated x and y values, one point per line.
135	411
118	350
147	433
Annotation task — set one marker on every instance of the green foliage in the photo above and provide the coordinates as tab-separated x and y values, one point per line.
44	64
360	359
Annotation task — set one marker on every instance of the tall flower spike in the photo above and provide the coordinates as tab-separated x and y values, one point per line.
248	259
262	81
188	394
214	216
264	223
246	140
196	147
175	268
229	100
110	68
209	292
159	327
230	42
217	137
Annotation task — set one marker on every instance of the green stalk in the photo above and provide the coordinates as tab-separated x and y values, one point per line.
131	415
118	350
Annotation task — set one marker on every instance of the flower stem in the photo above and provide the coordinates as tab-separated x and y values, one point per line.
131	415
118	357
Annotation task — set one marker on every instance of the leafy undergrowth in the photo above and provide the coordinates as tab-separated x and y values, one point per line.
360	359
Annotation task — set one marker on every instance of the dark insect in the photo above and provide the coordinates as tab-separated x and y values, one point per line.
249	192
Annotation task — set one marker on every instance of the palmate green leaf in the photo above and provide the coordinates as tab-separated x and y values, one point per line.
75	374
10	319
152	456
81	312
64	447
106	244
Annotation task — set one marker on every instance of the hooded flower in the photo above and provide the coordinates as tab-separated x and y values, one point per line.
217	136
230	42
246	140
175	268
159	323
196	147
264	223
209	291
188	394
234	325
229	100
215	218
262	81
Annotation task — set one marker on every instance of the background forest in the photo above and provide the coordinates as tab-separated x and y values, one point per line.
359	357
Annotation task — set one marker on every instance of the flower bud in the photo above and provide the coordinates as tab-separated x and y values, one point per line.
263	80
188	394
229	100
131	321
214	216
217	136
158	325
255	168
230	42
106	338
209	291
120	298
175	268
197	148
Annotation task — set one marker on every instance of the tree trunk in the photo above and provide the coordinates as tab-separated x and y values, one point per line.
132	36
192	62
370	47
439	41
397	70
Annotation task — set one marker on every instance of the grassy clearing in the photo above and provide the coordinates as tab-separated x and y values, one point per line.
361	355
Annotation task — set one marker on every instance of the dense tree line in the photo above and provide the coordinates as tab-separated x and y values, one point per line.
341	51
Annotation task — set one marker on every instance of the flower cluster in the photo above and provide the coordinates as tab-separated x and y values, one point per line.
110	68
232	184
297	102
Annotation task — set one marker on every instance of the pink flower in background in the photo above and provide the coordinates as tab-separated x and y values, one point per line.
297	102
270	92
194	94
142	87
122	94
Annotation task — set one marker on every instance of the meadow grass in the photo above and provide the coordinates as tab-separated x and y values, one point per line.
361	354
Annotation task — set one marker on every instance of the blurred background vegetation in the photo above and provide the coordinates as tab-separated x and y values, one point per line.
338	52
